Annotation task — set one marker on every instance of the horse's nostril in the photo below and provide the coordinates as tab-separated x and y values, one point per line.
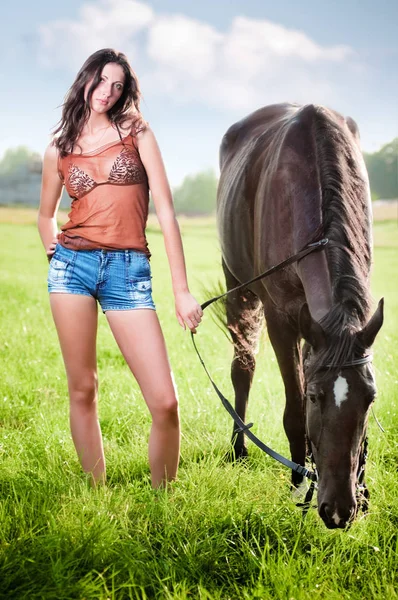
348	515
353	512
325	512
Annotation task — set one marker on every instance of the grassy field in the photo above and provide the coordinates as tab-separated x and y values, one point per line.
221	532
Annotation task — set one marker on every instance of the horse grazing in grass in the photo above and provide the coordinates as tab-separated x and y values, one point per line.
291	175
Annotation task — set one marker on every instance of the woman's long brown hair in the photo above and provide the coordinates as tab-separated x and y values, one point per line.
76	110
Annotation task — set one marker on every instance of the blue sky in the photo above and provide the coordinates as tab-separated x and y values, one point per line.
203	65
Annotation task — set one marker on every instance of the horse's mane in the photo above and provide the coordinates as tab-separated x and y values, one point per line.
347	224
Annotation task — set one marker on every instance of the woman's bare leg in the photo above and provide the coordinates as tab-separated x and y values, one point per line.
141	341
75	318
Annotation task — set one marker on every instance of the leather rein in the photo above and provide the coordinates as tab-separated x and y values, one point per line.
246	428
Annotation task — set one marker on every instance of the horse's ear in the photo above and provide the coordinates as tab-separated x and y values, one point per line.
353	127
310	330
368	334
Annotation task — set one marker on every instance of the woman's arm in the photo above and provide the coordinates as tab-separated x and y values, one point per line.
50	197
187	309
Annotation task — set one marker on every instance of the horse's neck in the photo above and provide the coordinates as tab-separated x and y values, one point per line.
315	277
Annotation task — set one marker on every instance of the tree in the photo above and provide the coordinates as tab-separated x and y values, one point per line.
20	176
197	194
383	171
20	162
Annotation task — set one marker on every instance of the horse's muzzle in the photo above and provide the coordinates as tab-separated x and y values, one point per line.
337	518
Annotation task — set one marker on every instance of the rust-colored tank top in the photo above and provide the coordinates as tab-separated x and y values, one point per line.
110	196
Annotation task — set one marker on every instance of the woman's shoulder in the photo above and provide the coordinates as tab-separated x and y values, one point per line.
52	160
51	153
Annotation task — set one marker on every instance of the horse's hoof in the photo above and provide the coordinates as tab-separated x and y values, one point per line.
237	454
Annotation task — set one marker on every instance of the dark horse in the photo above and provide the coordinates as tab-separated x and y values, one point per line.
291	175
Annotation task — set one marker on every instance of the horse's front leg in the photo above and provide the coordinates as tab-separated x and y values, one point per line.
286	343
244	320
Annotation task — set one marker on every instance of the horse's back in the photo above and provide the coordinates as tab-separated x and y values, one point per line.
270	185
241	155
251	127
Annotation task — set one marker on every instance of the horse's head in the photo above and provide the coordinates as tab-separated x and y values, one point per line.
338	400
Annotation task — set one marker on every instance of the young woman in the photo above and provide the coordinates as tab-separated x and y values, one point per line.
108	158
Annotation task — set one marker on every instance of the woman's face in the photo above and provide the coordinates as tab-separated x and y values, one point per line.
109	89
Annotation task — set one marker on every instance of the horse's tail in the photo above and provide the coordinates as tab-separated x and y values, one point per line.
240	316
217	310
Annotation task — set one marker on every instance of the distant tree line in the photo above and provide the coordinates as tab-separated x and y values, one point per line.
20	181
20	177
197	194
383	171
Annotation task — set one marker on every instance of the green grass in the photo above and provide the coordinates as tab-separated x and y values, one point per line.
220	532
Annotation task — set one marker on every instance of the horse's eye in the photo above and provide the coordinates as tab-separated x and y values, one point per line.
316	397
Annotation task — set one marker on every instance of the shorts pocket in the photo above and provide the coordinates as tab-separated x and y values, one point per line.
138	268
141	290
60	271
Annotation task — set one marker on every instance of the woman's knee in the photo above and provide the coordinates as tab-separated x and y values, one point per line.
165	410
84	392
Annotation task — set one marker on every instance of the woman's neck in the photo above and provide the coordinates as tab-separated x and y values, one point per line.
95	124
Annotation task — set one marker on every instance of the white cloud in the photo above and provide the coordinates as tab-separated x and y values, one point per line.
264	39
109	23
184	45
255	62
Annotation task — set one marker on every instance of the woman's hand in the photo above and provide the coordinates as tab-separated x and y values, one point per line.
51	248
188	311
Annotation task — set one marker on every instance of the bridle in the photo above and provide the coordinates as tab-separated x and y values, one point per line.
242	427
362	492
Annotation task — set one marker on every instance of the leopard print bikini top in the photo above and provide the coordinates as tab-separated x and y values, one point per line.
126	168
110	195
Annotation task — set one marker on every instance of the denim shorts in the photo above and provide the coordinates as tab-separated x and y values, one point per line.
118	279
